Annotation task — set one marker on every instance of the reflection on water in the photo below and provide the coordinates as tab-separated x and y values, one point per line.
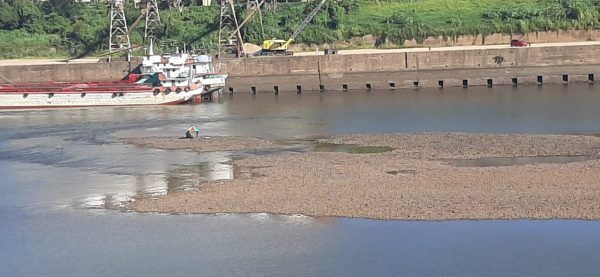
186	177
180	178
108	201
509	161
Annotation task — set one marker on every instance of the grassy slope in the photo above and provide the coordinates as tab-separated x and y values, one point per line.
19	44
454	17
438	10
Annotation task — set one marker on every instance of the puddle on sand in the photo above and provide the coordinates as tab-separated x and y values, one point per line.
509	161
350	148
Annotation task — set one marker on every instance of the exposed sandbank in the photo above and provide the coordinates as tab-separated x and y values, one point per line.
411	182
469	146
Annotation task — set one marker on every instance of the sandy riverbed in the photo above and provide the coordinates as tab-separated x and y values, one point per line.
414	181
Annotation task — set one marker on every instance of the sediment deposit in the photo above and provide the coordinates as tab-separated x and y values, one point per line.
413	182
469	146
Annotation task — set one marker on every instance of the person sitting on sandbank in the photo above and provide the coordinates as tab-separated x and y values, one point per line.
194	129
188	135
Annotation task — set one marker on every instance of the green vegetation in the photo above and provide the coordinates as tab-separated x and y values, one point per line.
66	28
420	19
23	44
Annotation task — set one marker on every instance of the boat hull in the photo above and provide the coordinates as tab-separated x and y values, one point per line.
19	100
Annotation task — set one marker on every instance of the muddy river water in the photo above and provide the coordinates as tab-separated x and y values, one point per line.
64	174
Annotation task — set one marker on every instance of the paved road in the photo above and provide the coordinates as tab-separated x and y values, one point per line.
451	48
341	52
45	61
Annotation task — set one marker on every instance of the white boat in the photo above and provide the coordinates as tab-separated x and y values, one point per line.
164	80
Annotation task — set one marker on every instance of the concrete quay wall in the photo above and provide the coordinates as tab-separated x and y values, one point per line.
417	60
399	69
416	79
415	69
75	72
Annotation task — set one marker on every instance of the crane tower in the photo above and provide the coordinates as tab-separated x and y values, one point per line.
176	4
119	35
152	19
251	4
230	38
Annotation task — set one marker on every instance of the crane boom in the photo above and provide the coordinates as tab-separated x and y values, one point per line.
138	20
248	17
308	19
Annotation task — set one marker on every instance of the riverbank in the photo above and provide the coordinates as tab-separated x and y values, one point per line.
416	181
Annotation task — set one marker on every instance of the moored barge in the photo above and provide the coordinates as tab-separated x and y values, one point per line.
162	80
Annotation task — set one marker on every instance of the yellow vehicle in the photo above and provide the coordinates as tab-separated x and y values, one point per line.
276	47
280	46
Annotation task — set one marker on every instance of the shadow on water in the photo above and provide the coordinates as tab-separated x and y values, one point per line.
510	161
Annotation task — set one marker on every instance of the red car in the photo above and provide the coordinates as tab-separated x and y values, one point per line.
518	43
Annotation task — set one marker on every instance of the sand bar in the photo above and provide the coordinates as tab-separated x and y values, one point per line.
413	182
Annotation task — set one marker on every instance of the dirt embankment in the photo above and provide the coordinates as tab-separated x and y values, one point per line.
415	181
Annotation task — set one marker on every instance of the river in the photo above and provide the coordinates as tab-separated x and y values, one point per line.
65	172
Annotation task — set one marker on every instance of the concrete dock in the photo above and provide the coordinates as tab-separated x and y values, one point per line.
419	67
460	66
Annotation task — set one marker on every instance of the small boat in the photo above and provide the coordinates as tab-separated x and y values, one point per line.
162	80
